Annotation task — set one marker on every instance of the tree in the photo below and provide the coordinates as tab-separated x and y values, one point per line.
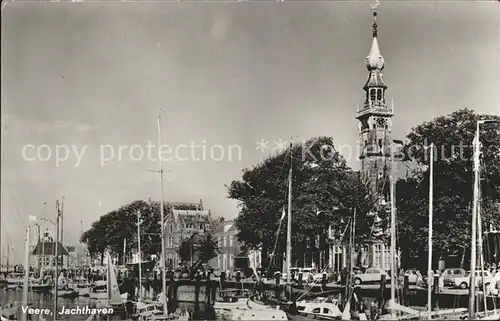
324	191
453	178
110	231
199	249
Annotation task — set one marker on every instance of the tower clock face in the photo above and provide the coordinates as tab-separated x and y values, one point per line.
381	122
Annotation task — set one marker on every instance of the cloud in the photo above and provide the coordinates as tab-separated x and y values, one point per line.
14	125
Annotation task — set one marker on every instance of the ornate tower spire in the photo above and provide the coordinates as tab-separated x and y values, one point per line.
375	121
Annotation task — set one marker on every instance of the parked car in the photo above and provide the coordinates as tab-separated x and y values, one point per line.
318	277
449	276
414	276
294	271
463	282
308	274
371	275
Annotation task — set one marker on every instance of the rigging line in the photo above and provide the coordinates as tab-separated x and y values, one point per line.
19	217
341	239
9	238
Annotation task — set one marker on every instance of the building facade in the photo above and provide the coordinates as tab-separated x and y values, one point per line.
43	254
181	224
231	255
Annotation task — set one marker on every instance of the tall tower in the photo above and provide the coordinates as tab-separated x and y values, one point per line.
374	121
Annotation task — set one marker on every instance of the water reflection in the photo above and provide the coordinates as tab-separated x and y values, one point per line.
46	301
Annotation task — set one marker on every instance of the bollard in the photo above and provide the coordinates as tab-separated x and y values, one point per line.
170	295
197	288
222	279
208	290
435	292
278	289
381	298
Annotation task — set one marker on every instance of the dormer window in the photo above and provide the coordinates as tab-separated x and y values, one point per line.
373	94
379	94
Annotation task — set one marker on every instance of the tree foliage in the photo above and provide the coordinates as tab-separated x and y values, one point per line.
110	231
453	180
197	248
324	191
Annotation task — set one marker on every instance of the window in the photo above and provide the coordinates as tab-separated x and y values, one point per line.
230	240
225	241
171	228
373	94
316	310
325	310
379	94
219	241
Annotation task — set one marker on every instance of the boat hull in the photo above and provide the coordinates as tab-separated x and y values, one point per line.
84	292
104	296
38	288
65	294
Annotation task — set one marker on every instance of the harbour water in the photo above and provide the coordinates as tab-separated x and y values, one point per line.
46	301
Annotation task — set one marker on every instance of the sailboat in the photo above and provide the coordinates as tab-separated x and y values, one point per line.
108	290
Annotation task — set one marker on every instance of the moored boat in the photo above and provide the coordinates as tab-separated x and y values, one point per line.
65	293
8	313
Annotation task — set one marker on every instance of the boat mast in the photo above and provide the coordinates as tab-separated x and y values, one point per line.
139	252
429	261
80	263
480	244
162	212
56	257
289	224
62	229
26	271
124	260
472	288
353	246
393	234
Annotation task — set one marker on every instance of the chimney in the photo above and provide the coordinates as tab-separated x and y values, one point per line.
201	204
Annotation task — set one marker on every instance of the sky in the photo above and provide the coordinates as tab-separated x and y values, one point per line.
91	77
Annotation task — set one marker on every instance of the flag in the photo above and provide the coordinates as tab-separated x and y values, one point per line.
283	214
32	218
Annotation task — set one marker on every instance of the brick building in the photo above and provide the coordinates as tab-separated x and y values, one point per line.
181	224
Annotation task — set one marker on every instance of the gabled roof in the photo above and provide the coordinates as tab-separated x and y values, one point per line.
49	249
189	217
